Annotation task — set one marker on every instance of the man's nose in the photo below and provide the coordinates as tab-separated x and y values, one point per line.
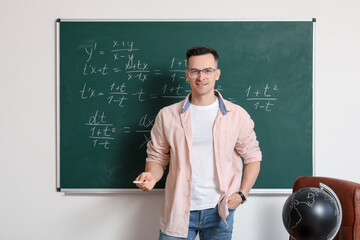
201	75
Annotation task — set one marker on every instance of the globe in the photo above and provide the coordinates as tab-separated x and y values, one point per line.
312	214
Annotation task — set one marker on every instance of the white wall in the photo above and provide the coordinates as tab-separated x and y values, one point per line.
29	206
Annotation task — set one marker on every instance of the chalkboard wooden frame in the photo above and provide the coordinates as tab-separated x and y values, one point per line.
256	190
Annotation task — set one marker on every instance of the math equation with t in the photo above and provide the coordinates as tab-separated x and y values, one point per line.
262	97
117	74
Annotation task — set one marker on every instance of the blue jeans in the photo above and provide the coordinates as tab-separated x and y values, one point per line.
208	224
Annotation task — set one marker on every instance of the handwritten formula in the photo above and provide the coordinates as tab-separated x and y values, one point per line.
116	73
263	97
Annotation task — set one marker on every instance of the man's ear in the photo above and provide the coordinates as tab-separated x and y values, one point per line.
187	75
218	72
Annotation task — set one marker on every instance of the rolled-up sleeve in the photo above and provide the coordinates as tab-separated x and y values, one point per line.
247	145
158	146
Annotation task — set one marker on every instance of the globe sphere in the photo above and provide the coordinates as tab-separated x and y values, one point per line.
311	214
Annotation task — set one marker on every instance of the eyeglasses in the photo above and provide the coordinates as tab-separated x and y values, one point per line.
195	73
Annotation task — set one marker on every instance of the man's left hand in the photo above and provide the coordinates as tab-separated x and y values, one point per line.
234	201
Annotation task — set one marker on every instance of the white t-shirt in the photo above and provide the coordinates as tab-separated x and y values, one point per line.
205	185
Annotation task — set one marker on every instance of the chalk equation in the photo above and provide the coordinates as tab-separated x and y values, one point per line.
262	97
125	66
101	132
144	127
116	74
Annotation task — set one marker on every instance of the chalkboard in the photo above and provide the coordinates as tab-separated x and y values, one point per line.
114	77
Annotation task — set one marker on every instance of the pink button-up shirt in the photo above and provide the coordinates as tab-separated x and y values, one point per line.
171	142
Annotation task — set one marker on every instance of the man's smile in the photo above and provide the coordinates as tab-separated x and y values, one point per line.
201	84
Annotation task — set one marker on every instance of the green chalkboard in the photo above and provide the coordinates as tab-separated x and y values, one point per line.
114	76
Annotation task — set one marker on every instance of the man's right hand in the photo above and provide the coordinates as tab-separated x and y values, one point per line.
148	181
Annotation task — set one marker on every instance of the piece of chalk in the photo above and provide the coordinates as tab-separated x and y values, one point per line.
137	182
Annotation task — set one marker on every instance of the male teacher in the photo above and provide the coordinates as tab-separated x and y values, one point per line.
203	139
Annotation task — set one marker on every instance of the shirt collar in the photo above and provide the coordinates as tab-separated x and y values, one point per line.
222	105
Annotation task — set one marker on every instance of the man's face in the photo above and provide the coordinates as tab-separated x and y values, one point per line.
202	86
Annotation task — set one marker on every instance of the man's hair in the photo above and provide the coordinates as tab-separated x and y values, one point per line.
201	50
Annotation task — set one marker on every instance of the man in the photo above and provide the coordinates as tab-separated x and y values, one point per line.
202	138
